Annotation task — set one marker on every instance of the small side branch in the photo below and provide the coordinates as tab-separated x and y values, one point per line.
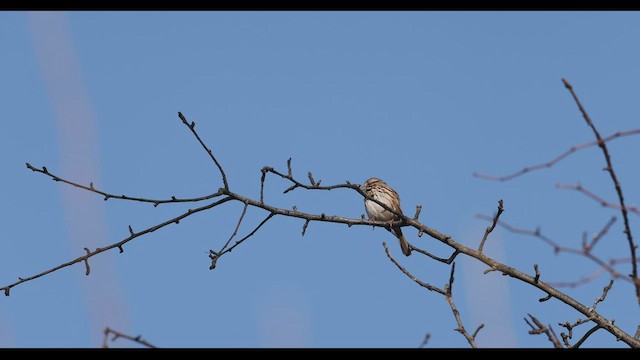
192	127
616	183
410	275
579	188
601	298
117	245
442	260
569	335
557	248
235	231
557	159
493	225
471	339
425	341
214	256
108	196
586	336
117	334
538	328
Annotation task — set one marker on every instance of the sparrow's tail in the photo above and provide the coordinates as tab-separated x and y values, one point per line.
406	249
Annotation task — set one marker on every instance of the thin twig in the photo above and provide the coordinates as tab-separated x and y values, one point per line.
117	334
117	245
418	210
471	339
442	260
493	225
557	248
600	234
235	231
425	341
601	298
569	326
215	256
586	335
603	202
417	281
192	127
108	196
540	328
560	157
616	183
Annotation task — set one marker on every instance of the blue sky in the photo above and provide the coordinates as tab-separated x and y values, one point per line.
419	99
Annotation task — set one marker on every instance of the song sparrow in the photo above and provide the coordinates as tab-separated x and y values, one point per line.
380	191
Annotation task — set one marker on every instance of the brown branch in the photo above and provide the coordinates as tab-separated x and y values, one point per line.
616	183
108	196
595	197
117	334
609	326
192	127
425	341
117	245
214	256
235	231
415	279
560	157
557	248
586	335
569	326
582	281
418	210
442	260
600	234
471	339
540	328
601	298
493	225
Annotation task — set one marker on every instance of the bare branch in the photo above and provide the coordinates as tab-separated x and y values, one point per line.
537	233
600	234
540	328
557	159
458	247
442	260
582	281
118	245
545	298
304	227
471	339
117	334
235	231
214	256
616	183
537	277
569	326
493	225
192	127
601	298
425	341
417	281
108	196
418	209
597	198
586	335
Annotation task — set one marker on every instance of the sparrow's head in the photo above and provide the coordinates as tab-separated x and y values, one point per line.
371	183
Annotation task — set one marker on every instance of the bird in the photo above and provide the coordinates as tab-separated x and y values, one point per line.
381	191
